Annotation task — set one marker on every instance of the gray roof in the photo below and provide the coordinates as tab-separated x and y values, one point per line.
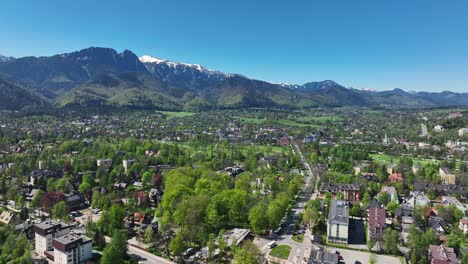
339	212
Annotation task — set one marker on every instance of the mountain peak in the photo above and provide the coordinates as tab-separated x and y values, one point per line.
5	58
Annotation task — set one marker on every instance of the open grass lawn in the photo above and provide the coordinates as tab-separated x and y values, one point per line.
387	159
298	238
176	114
281	251
284	122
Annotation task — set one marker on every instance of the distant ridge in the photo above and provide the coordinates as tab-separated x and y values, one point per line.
102	77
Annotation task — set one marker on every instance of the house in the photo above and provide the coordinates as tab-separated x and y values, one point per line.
127	164
37	175
446	175
438	128
406	223
141	197
369	176
416	198
284	141
448	200
309	139
463	225
395	177
462	132
442	255
75	201
349	192
438	225
392	192
455	115
338	222
377	220
104	162
9	218
391	168
359	168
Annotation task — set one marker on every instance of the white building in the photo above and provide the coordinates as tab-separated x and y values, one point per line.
127	164
338	222
46	232
438	128
104	162
462	132
72	249
56	242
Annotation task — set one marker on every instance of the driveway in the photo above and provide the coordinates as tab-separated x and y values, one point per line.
350	256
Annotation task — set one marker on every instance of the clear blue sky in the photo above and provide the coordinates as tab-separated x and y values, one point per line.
414	45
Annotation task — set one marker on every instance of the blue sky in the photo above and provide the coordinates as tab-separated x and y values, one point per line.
414	45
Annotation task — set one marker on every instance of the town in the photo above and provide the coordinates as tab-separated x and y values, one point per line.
323	185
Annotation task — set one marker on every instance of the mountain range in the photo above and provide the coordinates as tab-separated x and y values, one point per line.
103	78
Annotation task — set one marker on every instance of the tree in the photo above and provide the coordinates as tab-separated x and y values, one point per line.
248	253
390	241
366	199
311	217
61	211
356	210
116	216
211	246
149	235
221	241
116	251
177	246
383	197
258	218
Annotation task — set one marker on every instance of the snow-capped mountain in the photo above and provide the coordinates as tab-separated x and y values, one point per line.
181	74
5	58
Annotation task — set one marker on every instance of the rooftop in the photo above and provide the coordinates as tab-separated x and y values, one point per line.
339	212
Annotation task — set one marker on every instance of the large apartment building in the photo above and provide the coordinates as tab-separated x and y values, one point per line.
57	242
338	222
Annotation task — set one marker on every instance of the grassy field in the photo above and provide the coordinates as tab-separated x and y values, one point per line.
284	122
320	118
387	159
281	251
298	238
175	114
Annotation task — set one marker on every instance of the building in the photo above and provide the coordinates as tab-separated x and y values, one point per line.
416	198
72	249
391	168
45	232
377	220
462	132
128	163
57	242
392	192
284	141
442	255
406	223
338	222
438	128
448	200
463	225
321	256
348	192
455	115
75	201
395	177
104	162
446	175
9	218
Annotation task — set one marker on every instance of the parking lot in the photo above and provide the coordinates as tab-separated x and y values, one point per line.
350	256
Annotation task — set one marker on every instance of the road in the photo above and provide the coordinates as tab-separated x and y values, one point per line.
299	251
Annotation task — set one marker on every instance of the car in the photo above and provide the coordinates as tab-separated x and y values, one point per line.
340	258
337	252
277	230
357	262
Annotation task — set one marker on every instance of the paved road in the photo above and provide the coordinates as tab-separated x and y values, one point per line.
299	251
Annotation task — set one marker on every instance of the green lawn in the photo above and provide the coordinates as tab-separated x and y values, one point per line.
386	159
298	238
281	251
175	114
